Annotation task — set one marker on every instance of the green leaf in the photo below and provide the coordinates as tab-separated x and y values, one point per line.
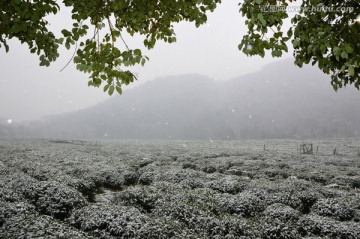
263	22
60	40
296	43
204	18
67	45
343	68
348	48
351	70
337	51
344	55
119	90
15	29
309	49
289	33
299	62
81	67
97	81
137	52
111	89
88	69
278	34
66	33
276	53
76	59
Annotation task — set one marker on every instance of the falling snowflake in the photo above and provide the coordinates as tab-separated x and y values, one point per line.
233	110
250	116
9	121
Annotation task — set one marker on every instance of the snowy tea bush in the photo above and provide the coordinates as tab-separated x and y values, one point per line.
178	189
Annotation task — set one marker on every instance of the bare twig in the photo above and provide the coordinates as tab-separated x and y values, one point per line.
72	57
124	42
76	47
111	31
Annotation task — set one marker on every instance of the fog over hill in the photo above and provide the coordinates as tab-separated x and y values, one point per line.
280	101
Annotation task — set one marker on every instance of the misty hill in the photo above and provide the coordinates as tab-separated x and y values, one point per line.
280	101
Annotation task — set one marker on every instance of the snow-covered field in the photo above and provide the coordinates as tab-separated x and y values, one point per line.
179	189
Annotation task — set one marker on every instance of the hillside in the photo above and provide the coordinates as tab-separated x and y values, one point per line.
280	101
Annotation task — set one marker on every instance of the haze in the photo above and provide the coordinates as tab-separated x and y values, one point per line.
30	92
199	88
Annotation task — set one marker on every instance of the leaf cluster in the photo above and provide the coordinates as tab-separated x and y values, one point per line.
25	20
330	39
325	33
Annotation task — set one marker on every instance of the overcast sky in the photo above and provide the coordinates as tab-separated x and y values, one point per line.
29	92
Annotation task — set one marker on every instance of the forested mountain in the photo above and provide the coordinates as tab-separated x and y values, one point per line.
280	101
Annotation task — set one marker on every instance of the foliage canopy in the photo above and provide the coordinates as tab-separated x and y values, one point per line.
325	33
